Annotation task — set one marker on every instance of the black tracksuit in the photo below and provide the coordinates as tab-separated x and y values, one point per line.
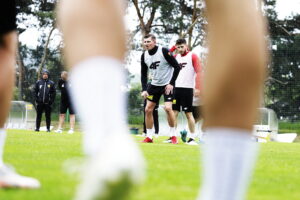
45	92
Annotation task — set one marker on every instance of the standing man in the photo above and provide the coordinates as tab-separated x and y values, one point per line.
164	69
188	79
45	92
234	76
65	103
8	45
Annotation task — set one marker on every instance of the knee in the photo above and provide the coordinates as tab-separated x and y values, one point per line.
168	109
148	110
189	116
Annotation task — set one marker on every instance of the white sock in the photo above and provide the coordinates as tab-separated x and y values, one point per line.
150	133
172	131
192	135
99	100
229	156
2	143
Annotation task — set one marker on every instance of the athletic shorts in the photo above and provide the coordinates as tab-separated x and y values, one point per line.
183	99
197	112
64	106
155	93
7	16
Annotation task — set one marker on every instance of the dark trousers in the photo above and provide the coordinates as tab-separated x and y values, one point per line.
40	108
155	118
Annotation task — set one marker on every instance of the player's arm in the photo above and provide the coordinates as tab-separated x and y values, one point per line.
144	76
173	62
198	69
36	90
59	84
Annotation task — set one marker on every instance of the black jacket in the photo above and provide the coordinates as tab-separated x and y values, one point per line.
44	91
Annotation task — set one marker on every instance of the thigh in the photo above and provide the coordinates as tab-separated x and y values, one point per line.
71	109
63	107
155	93
176	100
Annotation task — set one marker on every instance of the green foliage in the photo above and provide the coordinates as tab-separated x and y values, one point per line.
136	119
283	86
173	170
135	101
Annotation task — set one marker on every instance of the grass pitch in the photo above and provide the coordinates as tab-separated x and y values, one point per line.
173	170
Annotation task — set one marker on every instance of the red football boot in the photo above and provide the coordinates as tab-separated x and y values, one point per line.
147	140
174	140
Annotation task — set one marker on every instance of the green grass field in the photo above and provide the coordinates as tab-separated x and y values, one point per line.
173	170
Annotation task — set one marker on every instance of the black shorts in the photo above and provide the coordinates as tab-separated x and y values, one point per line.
155	93
183	99
64	106
197	112
7	17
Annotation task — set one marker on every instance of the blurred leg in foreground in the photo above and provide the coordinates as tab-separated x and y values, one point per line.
94	50
8	41
233	84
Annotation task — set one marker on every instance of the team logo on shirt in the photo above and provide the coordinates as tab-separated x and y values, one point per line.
182	65
154	65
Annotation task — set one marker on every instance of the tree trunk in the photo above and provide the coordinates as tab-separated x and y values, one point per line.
45	53
20	64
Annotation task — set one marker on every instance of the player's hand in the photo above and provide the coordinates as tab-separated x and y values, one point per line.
144	94
197	93
169	89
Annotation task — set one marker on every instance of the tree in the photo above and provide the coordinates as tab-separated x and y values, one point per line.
283	88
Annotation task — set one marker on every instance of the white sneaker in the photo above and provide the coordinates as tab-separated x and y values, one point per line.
71	131
10	179
111	173
58	131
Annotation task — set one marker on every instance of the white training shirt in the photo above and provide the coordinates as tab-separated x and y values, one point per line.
187	74
160	69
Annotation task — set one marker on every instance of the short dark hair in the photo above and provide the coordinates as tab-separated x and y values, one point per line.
150	36
180	41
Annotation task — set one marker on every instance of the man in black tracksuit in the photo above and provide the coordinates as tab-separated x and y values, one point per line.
44	97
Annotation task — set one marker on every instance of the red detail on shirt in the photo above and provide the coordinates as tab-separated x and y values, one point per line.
198	70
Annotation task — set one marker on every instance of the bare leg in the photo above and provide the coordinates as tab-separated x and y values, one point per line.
234	77
170	114
61	121
241	68
149	114
72	122
176	117
191	121
7	66
95	47
8	178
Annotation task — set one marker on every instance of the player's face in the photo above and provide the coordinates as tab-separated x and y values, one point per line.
181	48
149	43
45	76
64	76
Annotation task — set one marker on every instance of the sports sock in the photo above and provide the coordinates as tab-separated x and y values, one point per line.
99	100
192	136
172	131
150	133
229	156
2	143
